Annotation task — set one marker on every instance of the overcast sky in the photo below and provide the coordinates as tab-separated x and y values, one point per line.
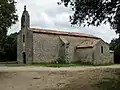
47	14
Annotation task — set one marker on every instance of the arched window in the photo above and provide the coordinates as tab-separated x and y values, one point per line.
23	38
101	49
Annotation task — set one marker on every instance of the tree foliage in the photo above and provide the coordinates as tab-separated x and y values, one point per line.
8	17
10	48
115	46
95	12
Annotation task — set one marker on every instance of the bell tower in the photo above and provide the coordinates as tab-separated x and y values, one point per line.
25	19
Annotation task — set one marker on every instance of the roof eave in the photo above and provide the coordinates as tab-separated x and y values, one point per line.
35	31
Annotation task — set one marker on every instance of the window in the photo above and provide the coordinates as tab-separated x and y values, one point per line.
101	49
23	38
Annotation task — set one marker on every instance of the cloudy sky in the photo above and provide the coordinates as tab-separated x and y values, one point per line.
47	14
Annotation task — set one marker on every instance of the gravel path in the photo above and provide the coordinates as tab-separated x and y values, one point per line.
37	68
64	78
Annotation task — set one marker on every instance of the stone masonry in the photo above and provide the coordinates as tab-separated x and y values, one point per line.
47	46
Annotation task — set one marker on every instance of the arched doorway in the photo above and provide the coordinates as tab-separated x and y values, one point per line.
24	57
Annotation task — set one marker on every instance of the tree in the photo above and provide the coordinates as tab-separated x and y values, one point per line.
115	46
8	17
95	12
114	43
10	48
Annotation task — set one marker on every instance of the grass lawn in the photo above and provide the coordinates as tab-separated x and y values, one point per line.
62	65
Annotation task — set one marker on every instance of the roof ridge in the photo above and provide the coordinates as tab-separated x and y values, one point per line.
50	31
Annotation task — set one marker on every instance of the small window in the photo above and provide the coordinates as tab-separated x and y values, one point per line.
23	38
101	49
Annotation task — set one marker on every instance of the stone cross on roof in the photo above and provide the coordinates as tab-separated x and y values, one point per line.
25	8
25	19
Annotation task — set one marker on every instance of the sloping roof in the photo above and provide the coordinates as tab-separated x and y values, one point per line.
46	31
88	43
64	40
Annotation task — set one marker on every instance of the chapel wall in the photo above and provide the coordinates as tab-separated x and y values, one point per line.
46	47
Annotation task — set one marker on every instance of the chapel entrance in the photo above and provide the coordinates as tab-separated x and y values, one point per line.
24	57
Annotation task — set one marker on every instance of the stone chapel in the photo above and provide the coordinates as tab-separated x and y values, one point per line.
49	46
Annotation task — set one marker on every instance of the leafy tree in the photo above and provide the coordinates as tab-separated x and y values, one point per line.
114	43
115	46
95	12
8	17
10	48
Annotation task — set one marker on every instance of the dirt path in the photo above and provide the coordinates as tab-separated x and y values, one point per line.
37	68
44	78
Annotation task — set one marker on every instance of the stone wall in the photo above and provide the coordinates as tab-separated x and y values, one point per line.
112	57
74	42
46	47
84	55
29	47
99	57
19	47
25	46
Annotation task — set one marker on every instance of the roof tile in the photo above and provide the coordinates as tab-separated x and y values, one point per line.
35	30
88	43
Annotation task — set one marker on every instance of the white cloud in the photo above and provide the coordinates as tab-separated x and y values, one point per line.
47	14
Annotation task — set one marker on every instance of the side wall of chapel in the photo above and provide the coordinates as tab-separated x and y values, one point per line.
46	47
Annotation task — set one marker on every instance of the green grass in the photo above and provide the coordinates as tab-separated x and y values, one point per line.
62	65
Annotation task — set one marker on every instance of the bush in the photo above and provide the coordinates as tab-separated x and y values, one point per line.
61	60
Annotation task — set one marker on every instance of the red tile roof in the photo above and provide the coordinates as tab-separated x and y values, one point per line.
88	43
46	31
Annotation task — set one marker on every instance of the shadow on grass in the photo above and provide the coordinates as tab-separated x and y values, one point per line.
109	83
